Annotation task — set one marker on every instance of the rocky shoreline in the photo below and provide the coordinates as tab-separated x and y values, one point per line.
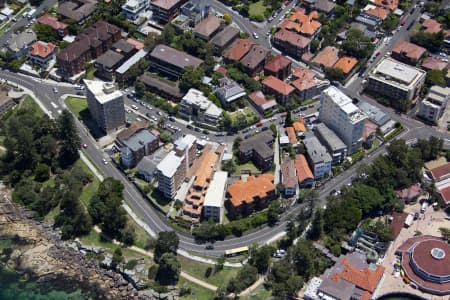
39	253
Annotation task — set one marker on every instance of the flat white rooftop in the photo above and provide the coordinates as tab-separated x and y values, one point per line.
170	164
345	104
391	69
103	91
214	195
185	142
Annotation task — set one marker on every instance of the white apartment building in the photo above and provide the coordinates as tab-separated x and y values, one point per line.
338	112
433	106
214	198
105	104
132	9
396	80
196	107
170	173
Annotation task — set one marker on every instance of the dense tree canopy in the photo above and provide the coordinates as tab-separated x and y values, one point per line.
167	243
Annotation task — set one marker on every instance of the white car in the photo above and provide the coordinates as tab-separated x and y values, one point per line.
55	90
105	162
255	35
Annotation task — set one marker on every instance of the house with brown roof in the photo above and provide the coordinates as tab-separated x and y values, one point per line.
279	66
410	193
165	11
431	26
208	28
288	178
327	57
305	176
41	53
77	10
280	89
263	105
244	197
346	64
408	52
171	61
432	63
238	50
59	27
153	84
88	45
291	43
304	24
291	135
307	84
440	173
193	204
299	126
255	59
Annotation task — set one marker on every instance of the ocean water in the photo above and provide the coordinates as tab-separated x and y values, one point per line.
12	287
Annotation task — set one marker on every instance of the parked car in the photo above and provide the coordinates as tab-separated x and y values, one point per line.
264	128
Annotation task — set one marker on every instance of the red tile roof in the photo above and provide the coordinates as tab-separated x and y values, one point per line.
259	99
245	192
238	49
346	64
431	63
364	279
302	23
445	194
327	57
289	175
292	38
369	129
138	45
299	126
42	49
378	12
277	85
291	134
304	73
410	50
397	223
277	63
441	172
432	26
52	21
391	4
303	170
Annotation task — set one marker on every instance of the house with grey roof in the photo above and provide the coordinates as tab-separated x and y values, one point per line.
375	114
77	10
334	145
107	63
146	169
325	6
229	91
224	39
258	148
136	146
19	44
318	157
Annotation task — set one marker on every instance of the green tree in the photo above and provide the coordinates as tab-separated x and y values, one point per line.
45	33
165	136
227	18
169	269
70	140
316	230
167	242
431	41
273	128
314	45
288	121
229	166
273	214
117	256
334	74
191	78
390	23
368	198
435	77
41	173
445	232
246	276
261	257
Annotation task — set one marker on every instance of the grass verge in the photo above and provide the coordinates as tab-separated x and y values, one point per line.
77	105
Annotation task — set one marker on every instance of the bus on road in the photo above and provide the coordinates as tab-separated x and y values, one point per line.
236	251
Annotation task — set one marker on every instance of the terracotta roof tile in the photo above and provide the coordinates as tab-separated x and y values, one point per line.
52	21
291	134
303	170
238	49
346	64
292	38
390	4
378	12
441	172
431	63
259	99
432	26
245	192
277	85
42	49
445	194
208	26
277	63
304	73
302	23
364	279
206	169
299	126
289	174
410	50
327	57
138	45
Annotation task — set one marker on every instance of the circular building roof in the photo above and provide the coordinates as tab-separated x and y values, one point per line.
431	257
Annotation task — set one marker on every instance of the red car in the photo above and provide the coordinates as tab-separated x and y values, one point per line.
311	105
259	125
377	54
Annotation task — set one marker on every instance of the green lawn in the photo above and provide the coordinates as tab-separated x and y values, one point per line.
197	292
357	155
50	217
247	166
375	145
90	74
257	8
198	270
77	105
28	103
